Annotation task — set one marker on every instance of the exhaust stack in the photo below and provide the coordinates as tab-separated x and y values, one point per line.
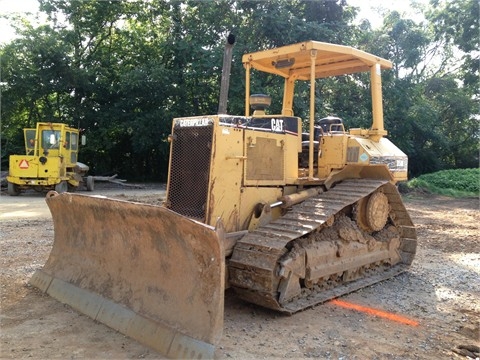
227	65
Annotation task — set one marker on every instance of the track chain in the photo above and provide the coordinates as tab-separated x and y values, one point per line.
253	266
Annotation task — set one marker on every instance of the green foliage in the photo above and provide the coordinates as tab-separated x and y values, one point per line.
122	70
455	24
457	183
428	113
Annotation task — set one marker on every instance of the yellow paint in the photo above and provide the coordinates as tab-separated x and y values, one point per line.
250	166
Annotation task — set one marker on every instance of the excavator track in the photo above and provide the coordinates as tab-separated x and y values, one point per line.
320	248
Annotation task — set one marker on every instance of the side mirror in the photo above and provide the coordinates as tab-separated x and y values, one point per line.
84	140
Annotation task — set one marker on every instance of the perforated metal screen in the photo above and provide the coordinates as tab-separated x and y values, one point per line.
189	171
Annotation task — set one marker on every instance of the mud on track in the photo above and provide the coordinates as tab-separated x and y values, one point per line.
441	292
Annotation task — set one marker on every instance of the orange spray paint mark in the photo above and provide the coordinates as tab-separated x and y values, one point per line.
375	312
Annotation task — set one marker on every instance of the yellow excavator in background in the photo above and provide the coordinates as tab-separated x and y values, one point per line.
50	161
285	218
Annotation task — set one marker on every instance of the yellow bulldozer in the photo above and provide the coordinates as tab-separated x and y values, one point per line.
50	161
286	218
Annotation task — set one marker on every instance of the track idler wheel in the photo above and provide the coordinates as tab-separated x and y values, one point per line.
372	212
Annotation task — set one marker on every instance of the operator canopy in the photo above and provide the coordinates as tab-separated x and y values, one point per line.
330	60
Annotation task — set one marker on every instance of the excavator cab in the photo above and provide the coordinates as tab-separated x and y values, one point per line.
49	162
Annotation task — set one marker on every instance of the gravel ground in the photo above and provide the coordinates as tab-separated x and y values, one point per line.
440	294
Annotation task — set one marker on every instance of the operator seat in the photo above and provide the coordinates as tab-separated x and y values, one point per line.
326	125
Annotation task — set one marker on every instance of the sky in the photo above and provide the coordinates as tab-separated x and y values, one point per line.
369	9
8	7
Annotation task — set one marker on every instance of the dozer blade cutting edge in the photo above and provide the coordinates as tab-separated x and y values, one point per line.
143	270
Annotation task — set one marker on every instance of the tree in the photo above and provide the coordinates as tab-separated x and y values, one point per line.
122	70
35	84
456	24
427	113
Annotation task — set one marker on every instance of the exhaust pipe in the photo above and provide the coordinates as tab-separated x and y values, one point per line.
225	83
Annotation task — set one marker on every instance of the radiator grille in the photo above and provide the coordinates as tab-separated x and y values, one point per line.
189	171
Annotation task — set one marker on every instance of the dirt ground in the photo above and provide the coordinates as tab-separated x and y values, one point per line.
441	292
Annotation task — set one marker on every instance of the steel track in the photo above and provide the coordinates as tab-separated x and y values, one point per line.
253	267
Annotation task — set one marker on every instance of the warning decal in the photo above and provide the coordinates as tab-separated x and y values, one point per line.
23	164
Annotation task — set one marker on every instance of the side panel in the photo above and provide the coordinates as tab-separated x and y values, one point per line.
265	163
383	152
28	170
226	177
23	166
332	154
272	144
293	148
53	168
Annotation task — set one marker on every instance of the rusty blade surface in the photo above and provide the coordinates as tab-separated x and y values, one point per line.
143	270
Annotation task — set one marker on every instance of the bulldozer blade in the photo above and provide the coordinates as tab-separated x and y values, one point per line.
144	270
